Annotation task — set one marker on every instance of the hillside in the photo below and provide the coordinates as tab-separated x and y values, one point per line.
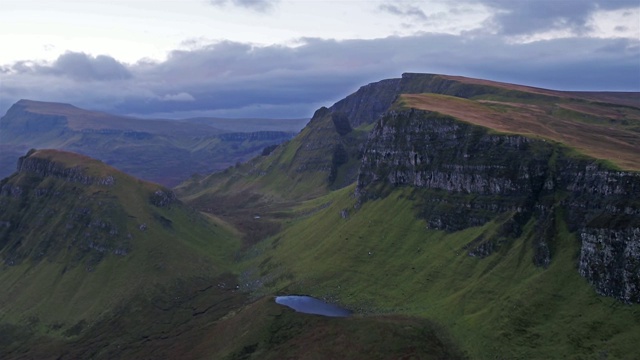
79	239
509	215
163	151
98	264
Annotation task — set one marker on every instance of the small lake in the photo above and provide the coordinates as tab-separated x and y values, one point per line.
311	305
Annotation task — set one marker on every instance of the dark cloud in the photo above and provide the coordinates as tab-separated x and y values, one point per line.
77	66
257	5
405	10
521	17
236	79
81	66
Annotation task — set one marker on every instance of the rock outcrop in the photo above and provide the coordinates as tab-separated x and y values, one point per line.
47	168
472	175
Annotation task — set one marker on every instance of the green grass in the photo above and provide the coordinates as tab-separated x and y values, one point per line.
602	132
57	279
383	260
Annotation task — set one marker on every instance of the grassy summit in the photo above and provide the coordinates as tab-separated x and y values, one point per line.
601	130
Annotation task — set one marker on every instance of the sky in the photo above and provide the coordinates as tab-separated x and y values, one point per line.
286	58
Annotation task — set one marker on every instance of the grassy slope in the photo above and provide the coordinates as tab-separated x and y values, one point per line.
60	290
172	296
267	186
382	259
602	131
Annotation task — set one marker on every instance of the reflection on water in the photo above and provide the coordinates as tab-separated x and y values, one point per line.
310	305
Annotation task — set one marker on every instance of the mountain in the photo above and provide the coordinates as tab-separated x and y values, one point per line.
507	214
163	151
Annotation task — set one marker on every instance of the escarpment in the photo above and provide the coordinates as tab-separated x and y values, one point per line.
469	175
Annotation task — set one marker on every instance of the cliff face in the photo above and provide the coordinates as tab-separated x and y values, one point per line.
470	176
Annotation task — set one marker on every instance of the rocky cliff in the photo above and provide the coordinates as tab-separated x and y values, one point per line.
47	168
469	175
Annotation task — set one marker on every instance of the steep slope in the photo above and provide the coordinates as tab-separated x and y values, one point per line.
163	151
473	176
255	196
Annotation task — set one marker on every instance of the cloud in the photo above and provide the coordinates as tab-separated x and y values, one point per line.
183	96
238	79
77	66
524	17
257	5
80	66
404	10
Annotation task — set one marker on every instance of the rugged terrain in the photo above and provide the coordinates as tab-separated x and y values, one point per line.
163	151
97	264
456	217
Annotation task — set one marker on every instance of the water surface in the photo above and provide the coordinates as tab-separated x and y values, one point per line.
311	305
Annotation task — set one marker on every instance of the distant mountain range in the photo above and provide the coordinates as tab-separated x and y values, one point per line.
163	151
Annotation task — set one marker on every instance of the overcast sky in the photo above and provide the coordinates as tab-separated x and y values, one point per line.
286	58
